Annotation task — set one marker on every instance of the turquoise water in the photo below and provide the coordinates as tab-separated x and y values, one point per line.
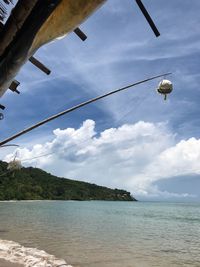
101	234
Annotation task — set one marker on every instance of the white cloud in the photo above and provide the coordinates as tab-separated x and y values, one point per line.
132	156
181	159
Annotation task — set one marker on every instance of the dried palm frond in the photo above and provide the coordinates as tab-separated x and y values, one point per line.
3	9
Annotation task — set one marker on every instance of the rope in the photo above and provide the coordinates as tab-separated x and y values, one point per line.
51	153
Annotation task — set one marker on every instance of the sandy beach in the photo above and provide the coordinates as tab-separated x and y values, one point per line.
4	263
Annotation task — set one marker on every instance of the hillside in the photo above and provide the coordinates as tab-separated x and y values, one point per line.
34	183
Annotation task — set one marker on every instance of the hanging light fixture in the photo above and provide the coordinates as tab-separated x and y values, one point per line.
165	87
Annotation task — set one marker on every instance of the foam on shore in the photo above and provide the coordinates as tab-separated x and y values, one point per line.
28	257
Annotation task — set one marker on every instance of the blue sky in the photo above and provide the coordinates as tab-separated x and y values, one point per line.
157	159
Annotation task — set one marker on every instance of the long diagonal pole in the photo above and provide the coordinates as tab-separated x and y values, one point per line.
76	107
148	18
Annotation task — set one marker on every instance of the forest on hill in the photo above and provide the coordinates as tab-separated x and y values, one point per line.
34	184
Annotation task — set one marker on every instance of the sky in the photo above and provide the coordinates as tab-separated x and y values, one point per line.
133	140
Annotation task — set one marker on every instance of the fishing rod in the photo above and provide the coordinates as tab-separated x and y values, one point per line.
57	115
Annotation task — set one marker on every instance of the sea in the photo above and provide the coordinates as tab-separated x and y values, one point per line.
101	233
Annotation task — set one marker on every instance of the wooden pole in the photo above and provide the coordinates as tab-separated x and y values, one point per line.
76	107
148	18
80	34
39	65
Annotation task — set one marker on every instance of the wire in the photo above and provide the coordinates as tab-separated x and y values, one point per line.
130	110
51	153
40	156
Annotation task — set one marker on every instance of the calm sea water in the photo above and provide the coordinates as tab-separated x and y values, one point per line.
102	234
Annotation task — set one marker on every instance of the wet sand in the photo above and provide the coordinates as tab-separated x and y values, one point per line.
4	263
